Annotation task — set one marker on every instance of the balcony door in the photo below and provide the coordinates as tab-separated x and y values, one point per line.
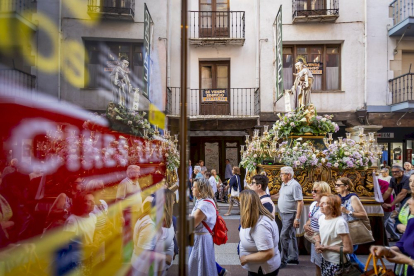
214	18
215	88
311	7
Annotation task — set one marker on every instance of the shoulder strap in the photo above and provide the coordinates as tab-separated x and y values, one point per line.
205	224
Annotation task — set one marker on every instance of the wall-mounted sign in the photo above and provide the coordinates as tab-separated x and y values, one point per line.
148	31
316	68
215	95
385	135
279	54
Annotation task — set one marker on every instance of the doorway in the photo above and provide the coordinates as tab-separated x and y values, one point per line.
215	80
214	18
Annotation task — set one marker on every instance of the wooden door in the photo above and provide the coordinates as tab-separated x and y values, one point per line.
214	76
214	18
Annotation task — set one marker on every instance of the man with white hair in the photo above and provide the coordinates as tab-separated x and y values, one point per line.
408	171
129	191
290	204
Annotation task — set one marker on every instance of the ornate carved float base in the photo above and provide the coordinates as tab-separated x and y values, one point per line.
362	180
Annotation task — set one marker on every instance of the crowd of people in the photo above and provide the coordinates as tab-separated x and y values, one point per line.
331	218
80	213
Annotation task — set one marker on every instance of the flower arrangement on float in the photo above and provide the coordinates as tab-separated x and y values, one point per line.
125	120
304	121
299	154
348	154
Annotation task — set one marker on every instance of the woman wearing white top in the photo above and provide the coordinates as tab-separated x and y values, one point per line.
212	181
152	247
259	237
333	234
312	225
202	259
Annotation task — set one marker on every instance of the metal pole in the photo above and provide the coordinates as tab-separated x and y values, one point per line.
183	231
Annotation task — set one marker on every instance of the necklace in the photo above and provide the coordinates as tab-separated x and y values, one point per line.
314	211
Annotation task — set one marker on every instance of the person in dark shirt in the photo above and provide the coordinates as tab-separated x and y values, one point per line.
400	184
259	185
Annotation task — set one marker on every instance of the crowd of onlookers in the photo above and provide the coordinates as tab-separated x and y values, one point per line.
90	214
330	225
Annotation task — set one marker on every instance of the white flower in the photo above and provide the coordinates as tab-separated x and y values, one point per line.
303	120
166	155
313	156
323	160
306	112
255	156
297	163
295	148
346	153
336	165
323	119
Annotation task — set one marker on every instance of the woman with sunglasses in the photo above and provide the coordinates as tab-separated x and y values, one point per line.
351	208
312	225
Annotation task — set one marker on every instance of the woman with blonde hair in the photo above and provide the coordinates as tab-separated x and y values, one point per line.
150	244
234	189
259	237
202	259
319	189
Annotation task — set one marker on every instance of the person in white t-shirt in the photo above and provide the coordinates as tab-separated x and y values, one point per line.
259	237
213	183
385	175
82	224
152	247
312	225
333	234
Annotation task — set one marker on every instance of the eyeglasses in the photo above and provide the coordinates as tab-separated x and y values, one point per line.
283	173
315	191
253	182
339	184
395	171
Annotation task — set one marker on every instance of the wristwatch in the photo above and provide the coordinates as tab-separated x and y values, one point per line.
351	213
297	219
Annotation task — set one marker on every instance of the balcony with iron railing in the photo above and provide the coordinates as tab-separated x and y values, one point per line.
112	9
217	28
402	88
315	10
241	103
402	12
13	81
21	10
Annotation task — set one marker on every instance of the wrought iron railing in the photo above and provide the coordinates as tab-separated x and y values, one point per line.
11	80
120	7
217	24
242	102
315	7
402	88
402	9
19	6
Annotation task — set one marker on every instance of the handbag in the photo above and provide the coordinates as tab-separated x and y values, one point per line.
235	193
311	238
360	231
381	271
346	269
